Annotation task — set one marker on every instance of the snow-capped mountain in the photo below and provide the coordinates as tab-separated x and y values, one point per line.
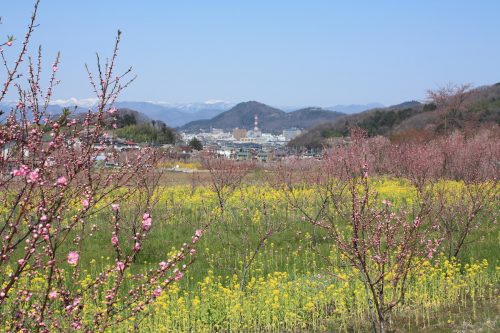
355	108
173	114
176	114
72	102
197	107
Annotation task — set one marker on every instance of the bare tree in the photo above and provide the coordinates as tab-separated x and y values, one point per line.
451	99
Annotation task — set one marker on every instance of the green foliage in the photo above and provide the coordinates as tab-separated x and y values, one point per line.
430	107
125	120
487	110
331	133
380	122
196	144
148	133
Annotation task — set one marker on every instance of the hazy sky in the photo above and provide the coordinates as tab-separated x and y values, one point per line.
278	52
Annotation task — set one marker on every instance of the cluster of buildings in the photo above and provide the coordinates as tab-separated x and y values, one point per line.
239	144
242	144
242	136
118	144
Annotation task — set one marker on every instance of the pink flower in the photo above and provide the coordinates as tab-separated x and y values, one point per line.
54	68
21	172
157	292
387	202
163	265
73	257
192	252
115	207
76	325
178	276
197	234
33	176
27	297
112	111
365	170
62	181
120	266
137	246
85	203
44	218
146	222
21	262
114	240
9	43
53	294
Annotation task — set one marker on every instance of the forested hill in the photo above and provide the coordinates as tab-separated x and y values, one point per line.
480	108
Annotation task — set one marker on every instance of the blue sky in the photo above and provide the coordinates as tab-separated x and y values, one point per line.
278	52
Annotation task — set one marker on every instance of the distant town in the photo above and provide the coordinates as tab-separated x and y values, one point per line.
242	144
239	144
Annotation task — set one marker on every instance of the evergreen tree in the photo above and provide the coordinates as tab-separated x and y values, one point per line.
196	143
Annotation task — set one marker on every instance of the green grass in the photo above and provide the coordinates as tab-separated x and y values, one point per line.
296	248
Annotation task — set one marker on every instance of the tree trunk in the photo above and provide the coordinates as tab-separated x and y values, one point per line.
381	324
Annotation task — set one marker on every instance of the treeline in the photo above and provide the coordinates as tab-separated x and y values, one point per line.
378	123
153	133
448	109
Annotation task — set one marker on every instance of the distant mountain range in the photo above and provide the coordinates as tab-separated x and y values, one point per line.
354	108
348	109
176	115
173	115
271	120
408	119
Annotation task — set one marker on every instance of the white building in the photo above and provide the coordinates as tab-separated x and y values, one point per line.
291	133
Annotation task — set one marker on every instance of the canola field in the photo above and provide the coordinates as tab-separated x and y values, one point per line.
261	267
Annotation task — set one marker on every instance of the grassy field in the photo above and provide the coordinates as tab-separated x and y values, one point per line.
261	267
246	278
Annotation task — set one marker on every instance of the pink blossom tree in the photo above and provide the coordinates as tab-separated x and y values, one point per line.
450	100
50	190
383	242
